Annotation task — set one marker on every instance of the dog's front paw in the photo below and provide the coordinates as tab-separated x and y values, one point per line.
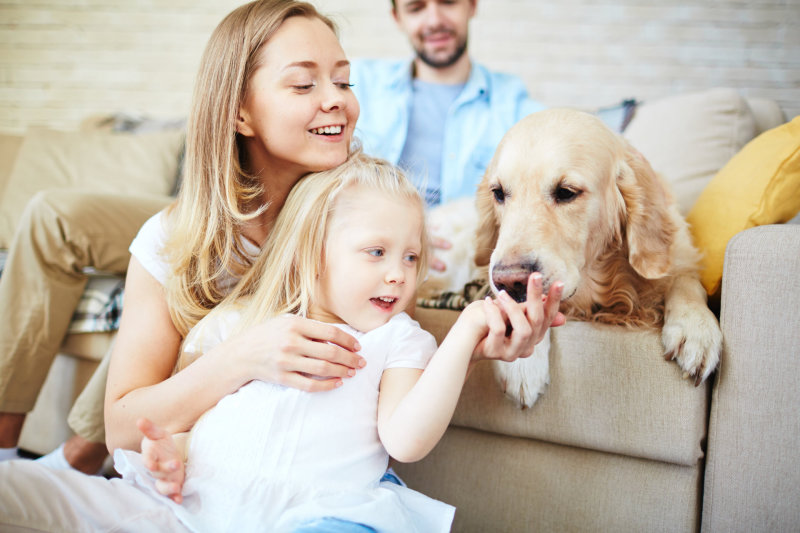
692	338
524	380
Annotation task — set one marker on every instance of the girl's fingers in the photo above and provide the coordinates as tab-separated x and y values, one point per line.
150	430
496	325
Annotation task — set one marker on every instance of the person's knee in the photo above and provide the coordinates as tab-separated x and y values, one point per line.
62	205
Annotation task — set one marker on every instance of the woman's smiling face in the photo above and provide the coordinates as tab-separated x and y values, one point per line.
298	113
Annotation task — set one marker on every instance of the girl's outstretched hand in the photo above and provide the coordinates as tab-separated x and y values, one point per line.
514	329
162	458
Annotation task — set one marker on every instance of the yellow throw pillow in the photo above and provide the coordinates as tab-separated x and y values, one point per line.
759	185
98	161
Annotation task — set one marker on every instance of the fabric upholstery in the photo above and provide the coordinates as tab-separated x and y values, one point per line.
760	185
687	138
94	161
610	389
507	484
9	146
753	467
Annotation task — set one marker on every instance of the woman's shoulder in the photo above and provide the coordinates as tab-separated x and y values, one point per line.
148	245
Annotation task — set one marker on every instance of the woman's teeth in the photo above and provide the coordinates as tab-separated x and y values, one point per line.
327	130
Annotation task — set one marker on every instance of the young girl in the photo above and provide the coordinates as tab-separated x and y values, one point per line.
348	248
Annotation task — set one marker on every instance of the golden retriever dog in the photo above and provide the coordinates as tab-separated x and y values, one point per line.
567	197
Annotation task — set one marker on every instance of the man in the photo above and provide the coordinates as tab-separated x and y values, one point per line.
441	116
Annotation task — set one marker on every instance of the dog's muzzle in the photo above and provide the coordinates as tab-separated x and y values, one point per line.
513	278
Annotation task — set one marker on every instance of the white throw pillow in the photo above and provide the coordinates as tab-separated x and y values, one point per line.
688	138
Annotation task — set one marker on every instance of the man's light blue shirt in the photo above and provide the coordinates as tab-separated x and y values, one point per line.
487	107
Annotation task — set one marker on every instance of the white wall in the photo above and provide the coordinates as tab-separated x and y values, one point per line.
61	60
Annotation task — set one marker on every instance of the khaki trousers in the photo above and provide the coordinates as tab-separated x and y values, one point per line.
61	233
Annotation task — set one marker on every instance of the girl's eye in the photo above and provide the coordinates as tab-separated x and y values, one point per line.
375	252
411	258
344	85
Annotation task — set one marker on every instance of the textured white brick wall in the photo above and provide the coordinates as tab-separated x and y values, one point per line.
61	60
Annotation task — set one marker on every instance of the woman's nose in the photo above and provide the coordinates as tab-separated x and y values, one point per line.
333	99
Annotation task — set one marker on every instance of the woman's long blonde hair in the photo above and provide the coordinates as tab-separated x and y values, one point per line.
205	244
285	273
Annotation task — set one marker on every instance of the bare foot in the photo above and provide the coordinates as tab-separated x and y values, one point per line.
85	455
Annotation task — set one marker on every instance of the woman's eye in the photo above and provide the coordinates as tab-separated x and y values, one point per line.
344	85
304	87
376	252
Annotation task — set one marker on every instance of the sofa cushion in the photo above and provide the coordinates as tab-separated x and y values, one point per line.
688	138
760	185
610	390
9	146
500	483
97	161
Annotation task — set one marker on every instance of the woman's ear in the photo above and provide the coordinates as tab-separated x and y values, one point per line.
243	126
649	228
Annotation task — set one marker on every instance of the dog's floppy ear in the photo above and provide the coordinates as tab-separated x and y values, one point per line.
486	234
650	230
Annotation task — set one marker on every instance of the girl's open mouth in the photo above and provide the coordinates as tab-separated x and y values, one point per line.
384	302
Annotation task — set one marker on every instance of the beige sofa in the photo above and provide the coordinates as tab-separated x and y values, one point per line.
619	441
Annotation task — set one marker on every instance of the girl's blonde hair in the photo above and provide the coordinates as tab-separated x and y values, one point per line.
217	196
284	276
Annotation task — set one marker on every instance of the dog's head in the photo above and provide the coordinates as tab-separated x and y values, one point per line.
561	193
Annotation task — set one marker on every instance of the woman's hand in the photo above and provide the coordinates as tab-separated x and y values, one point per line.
296	352
162	458
515	328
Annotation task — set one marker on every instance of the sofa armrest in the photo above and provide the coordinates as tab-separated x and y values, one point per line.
753	465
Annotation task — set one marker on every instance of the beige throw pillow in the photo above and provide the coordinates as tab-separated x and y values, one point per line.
95	161
689	138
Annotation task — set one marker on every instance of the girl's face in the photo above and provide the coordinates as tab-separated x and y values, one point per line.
370	269
298	113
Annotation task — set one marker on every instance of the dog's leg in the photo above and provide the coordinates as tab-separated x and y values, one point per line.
524	380
691	334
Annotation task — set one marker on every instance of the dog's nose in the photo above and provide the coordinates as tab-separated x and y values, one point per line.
514	278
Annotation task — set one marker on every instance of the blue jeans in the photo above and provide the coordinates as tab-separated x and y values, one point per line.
336	525
333	525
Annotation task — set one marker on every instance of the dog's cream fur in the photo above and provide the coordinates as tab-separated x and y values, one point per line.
565	196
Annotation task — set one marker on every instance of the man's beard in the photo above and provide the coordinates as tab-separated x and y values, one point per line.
447	61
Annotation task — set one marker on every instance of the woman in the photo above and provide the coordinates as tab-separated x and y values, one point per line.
270	105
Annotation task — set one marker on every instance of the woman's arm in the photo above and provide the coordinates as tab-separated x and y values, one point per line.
140	384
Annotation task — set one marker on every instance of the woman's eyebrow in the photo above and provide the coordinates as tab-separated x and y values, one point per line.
311	64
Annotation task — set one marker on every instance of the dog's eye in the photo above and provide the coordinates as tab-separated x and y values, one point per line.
499	193
565	195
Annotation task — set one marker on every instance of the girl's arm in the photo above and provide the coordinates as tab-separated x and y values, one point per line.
146	348
415	407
